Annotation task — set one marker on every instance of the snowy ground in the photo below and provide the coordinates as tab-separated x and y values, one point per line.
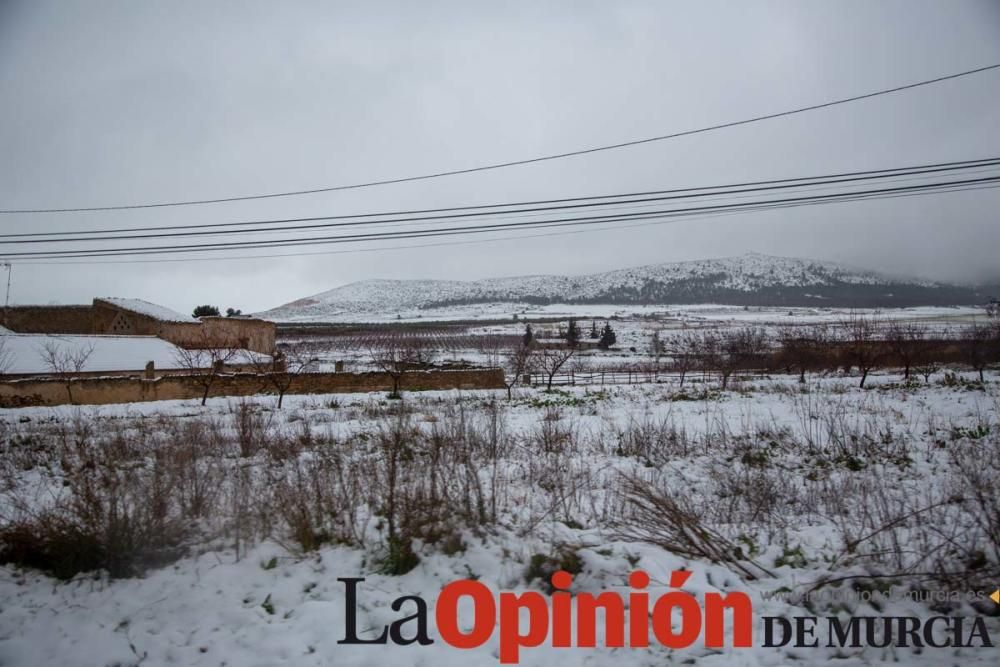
790	473
633	326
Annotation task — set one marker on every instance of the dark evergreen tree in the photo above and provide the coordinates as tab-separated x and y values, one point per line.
572	334
594	334
206	311
528	336
608	337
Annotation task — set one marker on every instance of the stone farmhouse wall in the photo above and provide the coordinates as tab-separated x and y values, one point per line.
106	390
250	334
103	317
108	318
49	319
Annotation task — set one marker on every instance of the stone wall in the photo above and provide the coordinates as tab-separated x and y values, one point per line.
249	333
221	332
107	318
114	320
105	390
49	319
188	335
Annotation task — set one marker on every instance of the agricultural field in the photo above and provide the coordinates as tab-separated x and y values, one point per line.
465	343
171	533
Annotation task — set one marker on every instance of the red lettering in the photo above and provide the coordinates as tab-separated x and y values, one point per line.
446	614
715	621
638	611
562	614
511	639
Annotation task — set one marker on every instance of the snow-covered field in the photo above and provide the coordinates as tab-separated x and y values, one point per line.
801	484
633	326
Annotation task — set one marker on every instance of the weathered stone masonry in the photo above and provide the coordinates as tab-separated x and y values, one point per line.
106	390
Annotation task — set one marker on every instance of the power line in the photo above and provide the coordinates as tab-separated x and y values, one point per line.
513	163
596	228
490	210
473	229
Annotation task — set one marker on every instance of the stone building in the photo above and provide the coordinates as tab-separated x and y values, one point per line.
135	317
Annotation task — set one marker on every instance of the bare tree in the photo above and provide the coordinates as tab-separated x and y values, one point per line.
205	364
657	347
743	348
394	354
906	343
926	367
802	348
863	345
549	360
492	347
282	365
708	350
512	354
66	360
980	345
6	357
683	351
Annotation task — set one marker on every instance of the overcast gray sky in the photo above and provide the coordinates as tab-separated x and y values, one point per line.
122	102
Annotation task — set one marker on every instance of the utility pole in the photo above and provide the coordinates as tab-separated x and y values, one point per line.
6	302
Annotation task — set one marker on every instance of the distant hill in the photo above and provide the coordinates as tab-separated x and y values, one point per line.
751	279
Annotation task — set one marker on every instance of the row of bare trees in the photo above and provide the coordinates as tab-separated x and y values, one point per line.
862	342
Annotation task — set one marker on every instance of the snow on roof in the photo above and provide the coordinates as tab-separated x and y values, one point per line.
153	310
109	353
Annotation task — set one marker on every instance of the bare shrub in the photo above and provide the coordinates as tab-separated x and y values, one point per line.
254	430
247	515
655	442
196	448
979	488
752	498
658	516
563	483
114	511
317	496
923	534
396	495
426	485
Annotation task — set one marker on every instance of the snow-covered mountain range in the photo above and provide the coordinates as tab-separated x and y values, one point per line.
751	279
